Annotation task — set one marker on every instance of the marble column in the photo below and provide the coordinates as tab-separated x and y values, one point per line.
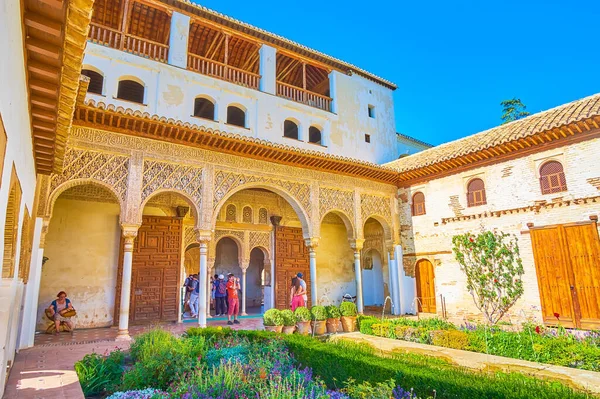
211	268
312	244
203	238
245	265
357	246
129	235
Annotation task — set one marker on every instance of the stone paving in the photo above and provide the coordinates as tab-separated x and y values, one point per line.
46	371
580	379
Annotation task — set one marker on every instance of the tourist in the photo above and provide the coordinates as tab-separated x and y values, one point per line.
303	284
212	292
297	293
58	308
194	296
220	289
233	285
188	291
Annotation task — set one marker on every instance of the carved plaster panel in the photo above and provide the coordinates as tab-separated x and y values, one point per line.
375	205
260	239
111	169
162	175
331	198
189	236
235	233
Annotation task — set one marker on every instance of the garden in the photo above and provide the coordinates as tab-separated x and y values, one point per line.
223	363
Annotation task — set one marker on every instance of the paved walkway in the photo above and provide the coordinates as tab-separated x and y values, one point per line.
580	379
46	371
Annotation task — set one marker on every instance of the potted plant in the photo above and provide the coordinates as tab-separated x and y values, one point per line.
348	310
273	321
289	321
333	319
319	315
303	317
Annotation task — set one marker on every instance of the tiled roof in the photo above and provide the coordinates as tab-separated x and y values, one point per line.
576	111
276	39
414	140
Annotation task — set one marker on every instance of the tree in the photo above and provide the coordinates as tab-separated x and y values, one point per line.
513	110
494	271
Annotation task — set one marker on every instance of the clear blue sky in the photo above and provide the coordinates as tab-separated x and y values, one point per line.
453	61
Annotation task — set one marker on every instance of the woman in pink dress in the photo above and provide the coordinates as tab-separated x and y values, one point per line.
297	294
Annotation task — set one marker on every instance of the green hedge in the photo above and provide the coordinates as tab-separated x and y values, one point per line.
339	361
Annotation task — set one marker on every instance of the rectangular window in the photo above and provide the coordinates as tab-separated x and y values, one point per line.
371	111
367	138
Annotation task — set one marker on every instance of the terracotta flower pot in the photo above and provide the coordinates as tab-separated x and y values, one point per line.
303	327
276	329
289	329
333	325
349	323
319	326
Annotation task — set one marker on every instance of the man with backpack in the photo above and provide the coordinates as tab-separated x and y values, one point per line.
221	296
195	293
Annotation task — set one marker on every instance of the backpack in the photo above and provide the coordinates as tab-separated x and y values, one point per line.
191	284
222	289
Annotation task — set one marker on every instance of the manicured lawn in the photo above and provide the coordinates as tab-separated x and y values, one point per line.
221	363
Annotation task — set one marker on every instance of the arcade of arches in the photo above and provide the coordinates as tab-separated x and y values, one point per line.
128	218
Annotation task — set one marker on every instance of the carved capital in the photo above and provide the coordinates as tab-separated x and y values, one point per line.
357	244
130	232
391	252
203	236
311	243
44	231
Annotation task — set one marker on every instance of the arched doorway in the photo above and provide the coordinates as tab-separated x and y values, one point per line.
81	255
373	286
255	282
227	257
425	286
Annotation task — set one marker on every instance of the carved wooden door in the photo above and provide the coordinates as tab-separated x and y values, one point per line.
567	261
291	258
425	286
156	271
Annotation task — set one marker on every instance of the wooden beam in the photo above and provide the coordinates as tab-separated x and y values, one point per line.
42	47
43	69
288	69
43	24
43	87
43	114
52	3
43	102
49	127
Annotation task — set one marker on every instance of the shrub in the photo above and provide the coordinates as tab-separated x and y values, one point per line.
289	318
381	329
302	314
365	324
147	393
348	309
100	374
454	339
318	313
333	312
272	317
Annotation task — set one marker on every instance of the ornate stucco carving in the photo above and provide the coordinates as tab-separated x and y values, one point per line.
219	233
260	239
163	175
331	198
371	205
189	236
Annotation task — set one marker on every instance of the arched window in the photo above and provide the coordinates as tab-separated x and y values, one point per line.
552	178
204	108
476	193
236	116
230	213
131	91
96	81
418	204
314	135
290	129
263	216
247	215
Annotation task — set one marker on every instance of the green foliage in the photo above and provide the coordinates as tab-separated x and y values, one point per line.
100	374
367	390
513	110
333	312
302	314
289	318
273	317
348	309
494	271
382	330
318	313
454	339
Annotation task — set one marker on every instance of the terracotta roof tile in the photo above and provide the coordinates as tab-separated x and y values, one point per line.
565	114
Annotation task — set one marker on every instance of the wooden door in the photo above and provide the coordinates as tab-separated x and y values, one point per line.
567	260
291	258
425	286
156	271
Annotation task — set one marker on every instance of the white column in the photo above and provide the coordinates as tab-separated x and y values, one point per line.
267	69
178	40
245	266
129	235
395	281
211	263
356	246
312	244
333	76
203	238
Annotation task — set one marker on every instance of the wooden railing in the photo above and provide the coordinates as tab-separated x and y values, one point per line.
113	38
222	71
303	96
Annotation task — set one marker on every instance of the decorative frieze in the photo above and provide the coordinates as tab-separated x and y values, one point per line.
260	239
331	198
375	205
162	175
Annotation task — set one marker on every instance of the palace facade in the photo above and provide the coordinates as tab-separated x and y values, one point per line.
145	140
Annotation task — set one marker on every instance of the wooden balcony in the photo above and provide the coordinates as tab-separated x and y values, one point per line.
222	71
303	96
132	44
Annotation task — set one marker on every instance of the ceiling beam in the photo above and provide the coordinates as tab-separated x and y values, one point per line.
43	69
42	47
43	24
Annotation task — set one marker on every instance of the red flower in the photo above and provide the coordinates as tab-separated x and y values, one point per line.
556	315
471	239
495	281
538	329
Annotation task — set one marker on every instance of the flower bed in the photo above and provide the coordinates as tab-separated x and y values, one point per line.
533	343
221	363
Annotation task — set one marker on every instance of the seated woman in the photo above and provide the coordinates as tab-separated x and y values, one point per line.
59	308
